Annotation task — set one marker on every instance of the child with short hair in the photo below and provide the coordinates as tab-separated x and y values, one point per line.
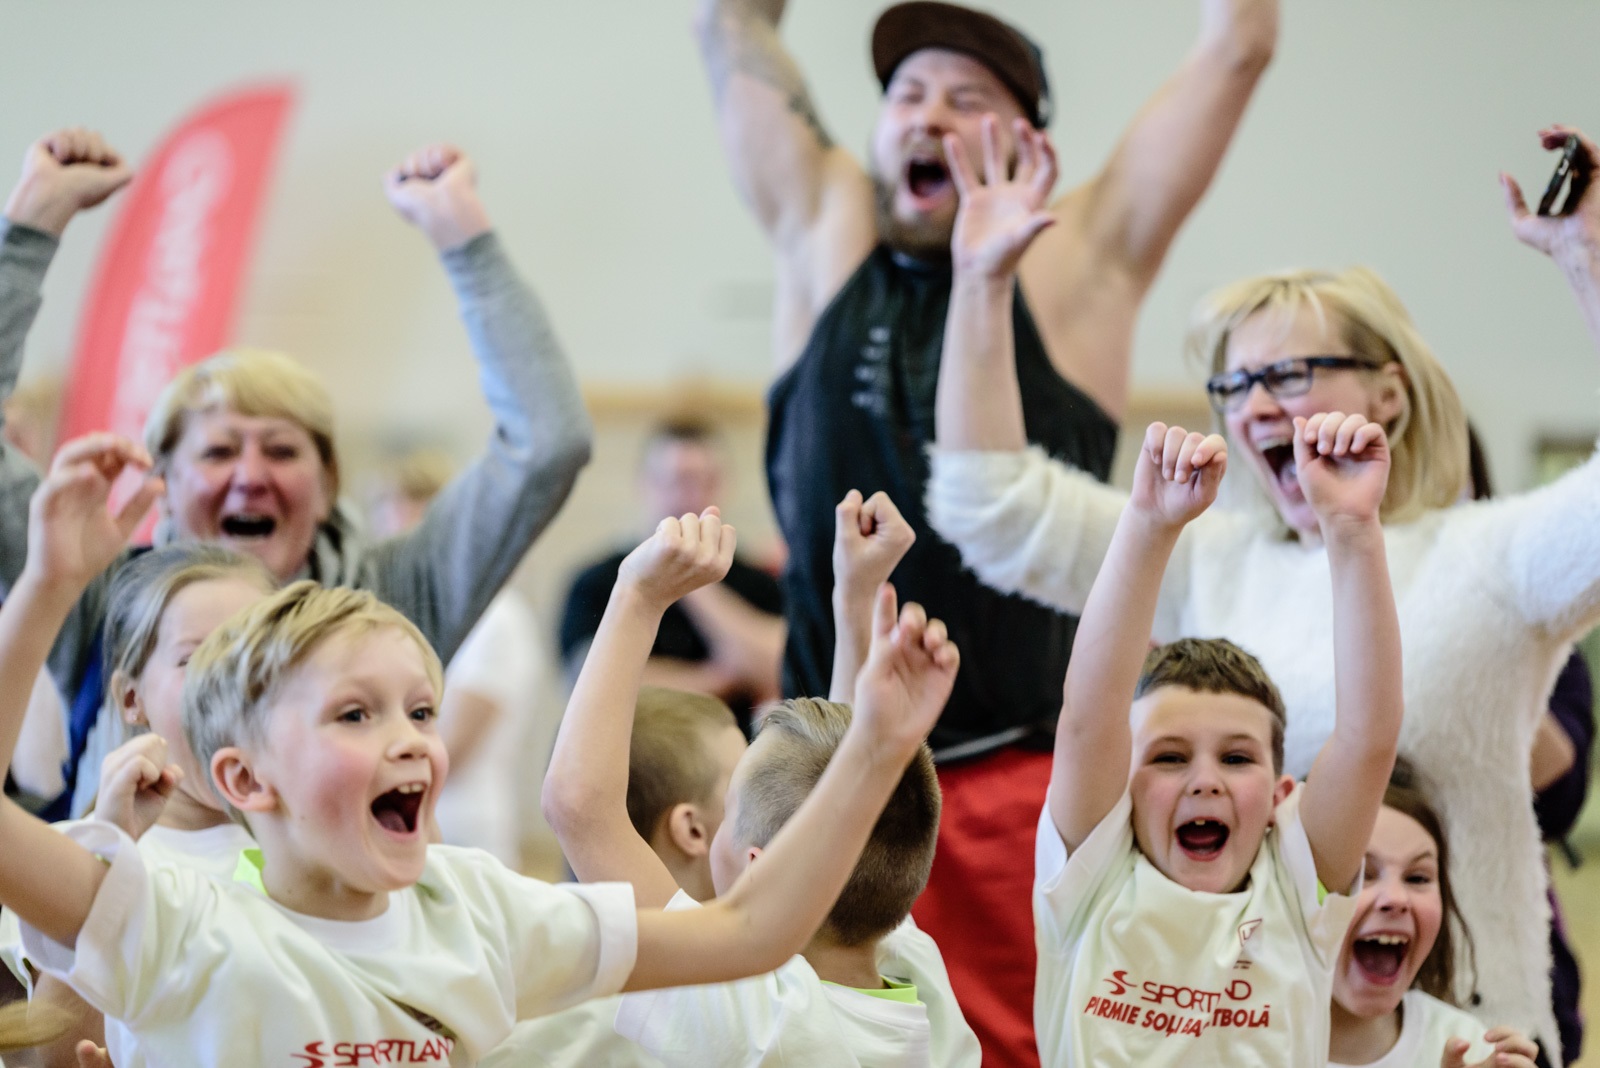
313	713
1182	887
869	988
1394	990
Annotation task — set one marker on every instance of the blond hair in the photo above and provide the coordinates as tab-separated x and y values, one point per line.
1428	439
236	673
803	733
669	760
252	382
26	1024
141	592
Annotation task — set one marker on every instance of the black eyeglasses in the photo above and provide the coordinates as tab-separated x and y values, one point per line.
1286	378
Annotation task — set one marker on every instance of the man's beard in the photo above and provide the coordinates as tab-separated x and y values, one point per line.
925	239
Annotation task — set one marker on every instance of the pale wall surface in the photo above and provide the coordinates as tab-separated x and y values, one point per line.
1375	138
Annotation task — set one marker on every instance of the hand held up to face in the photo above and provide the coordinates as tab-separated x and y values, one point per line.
870	539
135	782
64	173
1177	474
1342	463
435	189
73	534
1575	236
999	216
1512	1049
680	557
907	678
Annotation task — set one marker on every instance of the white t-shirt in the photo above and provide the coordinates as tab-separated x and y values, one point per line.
792	1017
213	852
504	658
575	1038
209	972
1426	1024
1135	969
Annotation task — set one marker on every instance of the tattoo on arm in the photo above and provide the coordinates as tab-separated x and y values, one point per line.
743	38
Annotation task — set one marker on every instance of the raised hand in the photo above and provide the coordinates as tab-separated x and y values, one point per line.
1512	1049
907	677
435	189
680	557
999	216
1177	474
135	782
64	173
1342	462
1559	236
869	540
73	534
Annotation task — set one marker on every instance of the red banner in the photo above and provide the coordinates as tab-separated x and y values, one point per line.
167	284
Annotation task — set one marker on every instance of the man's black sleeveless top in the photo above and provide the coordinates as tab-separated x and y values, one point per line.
856	411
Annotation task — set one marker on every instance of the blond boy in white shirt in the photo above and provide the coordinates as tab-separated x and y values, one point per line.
870	988
1179	897
314	713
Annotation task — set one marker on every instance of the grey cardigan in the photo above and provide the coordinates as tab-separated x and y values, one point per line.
442	574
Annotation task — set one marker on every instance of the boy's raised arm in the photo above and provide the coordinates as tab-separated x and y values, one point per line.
870	538
1175	479
48	880
1343	464
585	795
783	897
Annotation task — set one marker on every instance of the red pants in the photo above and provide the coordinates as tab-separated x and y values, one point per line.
979	902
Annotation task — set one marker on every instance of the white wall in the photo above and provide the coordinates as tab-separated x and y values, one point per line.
1375	138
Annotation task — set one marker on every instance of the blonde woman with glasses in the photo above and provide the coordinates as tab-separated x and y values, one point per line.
1491	594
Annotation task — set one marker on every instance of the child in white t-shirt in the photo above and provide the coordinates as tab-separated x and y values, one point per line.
161	605
870	988
313	712
681	754
1394	989
1181	885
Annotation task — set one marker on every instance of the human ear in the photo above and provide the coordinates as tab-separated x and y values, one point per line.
1390	399
126	694
238	782
1281	792
688	831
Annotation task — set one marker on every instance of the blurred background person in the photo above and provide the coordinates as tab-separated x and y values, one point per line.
725	640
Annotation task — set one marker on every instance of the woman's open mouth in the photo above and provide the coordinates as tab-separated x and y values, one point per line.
247	525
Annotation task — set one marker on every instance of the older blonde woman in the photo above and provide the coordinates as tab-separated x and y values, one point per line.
245	440
1490	594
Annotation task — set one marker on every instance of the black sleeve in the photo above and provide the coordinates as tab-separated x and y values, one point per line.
586	603
756	587
1572	704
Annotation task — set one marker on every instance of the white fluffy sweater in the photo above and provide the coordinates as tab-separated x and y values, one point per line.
1490	596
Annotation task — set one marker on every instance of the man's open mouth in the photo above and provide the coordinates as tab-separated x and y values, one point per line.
1202	839
398	810
247	525
1380	957
927	176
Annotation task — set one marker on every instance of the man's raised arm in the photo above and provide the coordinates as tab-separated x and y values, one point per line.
784	163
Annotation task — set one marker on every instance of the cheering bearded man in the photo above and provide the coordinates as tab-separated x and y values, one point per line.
863	284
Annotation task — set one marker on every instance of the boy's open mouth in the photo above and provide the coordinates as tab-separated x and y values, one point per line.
1380	957
1202	839
927	176
246	525
398	810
